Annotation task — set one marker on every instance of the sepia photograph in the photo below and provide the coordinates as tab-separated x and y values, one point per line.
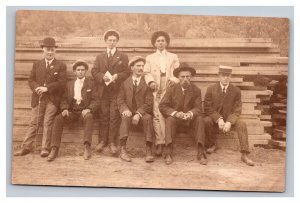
158	101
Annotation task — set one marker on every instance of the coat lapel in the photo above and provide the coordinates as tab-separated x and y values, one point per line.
116	58
188	96
141	85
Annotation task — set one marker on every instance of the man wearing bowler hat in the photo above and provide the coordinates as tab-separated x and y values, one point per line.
223	107
109	71
80	101
160	66
47	80
182	107
135	102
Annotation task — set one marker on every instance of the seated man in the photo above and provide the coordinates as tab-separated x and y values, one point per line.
223	106
79	101
135	103
182	106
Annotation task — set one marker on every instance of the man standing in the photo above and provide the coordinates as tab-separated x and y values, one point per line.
182	106
47	79
135	102
80	100
109	71
223	106
160	66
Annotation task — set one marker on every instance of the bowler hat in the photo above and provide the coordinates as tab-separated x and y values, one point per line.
184	67
157	34
80	62
225	69
135	59
48	42
111	32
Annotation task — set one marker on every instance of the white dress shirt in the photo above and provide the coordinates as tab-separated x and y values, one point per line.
162	60
77	90
222	87
138	80
48	61
112	51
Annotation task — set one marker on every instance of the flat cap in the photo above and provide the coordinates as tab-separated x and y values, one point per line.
80	62
135	59
225	69
111	32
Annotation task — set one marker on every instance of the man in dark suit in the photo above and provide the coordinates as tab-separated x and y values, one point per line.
80	100
223	106
47	79
182	106
135	102
109	71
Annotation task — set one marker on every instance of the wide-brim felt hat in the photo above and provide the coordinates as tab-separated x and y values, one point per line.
157	34
136	58
80	62
184	68
225	69
49	42
111	32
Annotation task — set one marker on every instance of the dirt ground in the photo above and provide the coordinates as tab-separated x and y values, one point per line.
224	171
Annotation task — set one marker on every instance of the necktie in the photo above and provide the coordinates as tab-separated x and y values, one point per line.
48	65
224	91
134	106
110	57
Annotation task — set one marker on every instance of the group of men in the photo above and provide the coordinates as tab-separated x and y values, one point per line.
155	92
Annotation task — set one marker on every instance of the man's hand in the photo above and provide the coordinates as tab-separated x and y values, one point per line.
106	78
221	124
114	78
180	115
227	127
172	82
136	119
84	112
40	90
65	113
127	113
153	85
188	116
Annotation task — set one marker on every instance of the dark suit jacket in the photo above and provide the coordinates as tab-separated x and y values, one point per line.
54	79
143	97
173	101
119	66
231	104
89	95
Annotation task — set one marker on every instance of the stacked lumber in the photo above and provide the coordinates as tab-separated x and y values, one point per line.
252	60
278	107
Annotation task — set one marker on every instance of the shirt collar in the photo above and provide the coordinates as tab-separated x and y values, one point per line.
50	61
164	52
80	80
222	86
136	78
112	51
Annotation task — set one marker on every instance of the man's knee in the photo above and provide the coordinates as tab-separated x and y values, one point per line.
208	121
240	124
147	117
88	117
170	120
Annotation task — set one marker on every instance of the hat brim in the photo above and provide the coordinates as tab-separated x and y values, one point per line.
45	45
139	59
181	69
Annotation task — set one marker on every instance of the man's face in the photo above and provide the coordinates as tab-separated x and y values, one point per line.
111	42
161	43
49	52
80	72
138	68
224	78
185	78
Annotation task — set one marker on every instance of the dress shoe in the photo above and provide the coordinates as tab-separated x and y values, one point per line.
87	154
149	157
44	153
100	146
22	152
53	154
124	156
113	149
168	159
159	149
246	159
211	149
202	159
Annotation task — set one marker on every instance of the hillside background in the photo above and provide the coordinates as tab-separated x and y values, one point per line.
64	24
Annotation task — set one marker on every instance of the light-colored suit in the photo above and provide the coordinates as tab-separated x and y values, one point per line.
152	69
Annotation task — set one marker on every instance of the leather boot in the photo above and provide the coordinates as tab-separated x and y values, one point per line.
22	152
123	154
246	159
168	158
44	153
53	154
211	149
87	154
113	148
149	157
100	146
201	156
159	149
